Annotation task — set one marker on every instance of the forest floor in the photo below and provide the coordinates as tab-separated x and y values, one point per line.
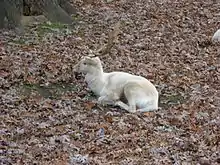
50	117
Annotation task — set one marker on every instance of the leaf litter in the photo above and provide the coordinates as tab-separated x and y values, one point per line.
57	119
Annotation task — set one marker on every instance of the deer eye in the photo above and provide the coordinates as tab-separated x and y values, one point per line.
84	63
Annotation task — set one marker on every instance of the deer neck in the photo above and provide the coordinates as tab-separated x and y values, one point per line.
95	81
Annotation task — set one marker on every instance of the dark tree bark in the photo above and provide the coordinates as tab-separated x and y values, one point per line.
67	6
54	10
12	10
2	13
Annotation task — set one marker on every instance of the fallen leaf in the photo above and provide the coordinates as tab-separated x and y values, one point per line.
89	105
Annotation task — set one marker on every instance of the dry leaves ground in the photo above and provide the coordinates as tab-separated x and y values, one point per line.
49	117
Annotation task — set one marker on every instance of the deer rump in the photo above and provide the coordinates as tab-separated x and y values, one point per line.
123	88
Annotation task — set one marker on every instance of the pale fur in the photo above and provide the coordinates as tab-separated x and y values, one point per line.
216	36
110	87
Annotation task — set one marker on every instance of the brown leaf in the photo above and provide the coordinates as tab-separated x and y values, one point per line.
89	105
62	159
108	118
148	114
31	79
4	74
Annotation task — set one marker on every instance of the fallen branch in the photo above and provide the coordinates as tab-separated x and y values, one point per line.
112	37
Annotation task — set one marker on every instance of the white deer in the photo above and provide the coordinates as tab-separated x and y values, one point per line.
140	94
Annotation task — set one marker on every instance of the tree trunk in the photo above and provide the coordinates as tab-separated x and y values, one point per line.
12	10
2	13
55	10
52	9
67	6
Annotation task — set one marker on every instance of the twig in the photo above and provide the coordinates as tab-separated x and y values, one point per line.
112	37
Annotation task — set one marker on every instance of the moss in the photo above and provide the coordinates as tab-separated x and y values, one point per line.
19	41
53	25
51	28
50	91
76	17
